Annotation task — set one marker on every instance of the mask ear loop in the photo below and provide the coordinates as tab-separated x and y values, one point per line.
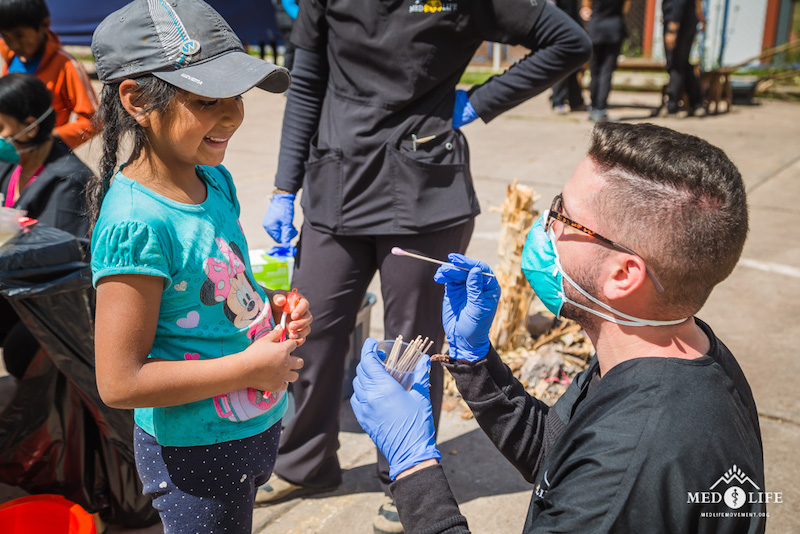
28	128
632	321
32	125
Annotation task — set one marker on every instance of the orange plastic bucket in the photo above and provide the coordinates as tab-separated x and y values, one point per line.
40	514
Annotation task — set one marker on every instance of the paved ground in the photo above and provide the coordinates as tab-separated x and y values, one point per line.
755	311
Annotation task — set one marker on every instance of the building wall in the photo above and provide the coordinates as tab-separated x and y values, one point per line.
744	31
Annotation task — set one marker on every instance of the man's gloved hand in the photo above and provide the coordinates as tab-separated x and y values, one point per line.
278	219
470	302
400	422
463	112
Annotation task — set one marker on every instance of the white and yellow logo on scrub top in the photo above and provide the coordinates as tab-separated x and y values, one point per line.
431	6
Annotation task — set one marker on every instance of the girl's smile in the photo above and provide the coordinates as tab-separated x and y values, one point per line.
198	129
216	142
192	131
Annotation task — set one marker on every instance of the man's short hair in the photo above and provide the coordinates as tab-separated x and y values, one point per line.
676	200
17	13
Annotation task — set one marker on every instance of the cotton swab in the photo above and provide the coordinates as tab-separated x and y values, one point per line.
397	251
399	365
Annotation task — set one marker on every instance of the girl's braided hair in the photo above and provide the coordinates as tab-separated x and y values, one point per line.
154	95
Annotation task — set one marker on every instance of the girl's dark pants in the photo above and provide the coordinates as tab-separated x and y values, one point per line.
205	488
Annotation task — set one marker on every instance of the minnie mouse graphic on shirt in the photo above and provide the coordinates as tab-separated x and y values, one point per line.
228	284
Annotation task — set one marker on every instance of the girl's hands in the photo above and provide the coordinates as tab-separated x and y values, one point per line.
270	365
298	324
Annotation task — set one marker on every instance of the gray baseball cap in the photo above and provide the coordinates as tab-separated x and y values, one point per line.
185	43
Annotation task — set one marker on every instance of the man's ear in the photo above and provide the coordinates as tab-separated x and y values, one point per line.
45	24
128	91
628	274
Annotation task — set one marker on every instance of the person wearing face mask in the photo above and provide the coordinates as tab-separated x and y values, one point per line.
39	174
660	433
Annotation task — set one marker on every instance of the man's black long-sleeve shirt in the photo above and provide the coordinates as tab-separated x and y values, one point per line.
655	445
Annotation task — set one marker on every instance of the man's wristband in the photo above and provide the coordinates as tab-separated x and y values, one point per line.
282	191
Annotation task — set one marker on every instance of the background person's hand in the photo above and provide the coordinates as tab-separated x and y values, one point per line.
400	422
463	112
278	219
669	40
671	36
470	302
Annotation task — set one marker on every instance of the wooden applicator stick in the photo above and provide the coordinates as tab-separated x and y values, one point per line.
397	251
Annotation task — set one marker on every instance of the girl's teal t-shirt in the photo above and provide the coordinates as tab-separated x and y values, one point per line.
209	303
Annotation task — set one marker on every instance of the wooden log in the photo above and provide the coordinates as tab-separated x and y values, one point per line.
517	215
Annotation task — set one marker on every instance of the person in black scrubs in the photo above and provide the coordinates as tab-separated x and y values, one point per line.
606	27
371	136
660	434
681	19
40	175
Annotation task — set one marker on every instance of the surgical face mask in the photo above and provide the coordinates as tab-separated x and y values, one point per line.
542	267
8	152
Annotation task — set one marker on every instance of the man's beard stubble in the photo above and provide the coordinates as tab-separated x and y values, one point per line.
586	277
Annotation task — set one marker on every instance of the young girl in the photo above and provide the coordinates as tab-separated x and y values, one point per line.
182	334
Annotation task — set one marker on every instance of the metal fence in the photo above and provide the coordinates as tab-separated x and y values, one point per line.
634	21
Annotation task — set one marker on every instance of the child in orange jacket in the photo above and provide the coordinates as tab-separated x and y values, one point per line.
28	45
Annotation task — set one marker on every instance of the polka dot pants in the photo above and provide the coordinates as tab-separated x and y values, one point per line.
207	488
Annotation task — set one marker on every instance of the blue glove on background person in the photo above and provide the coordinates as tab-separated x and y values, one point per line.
470	302
400	422
278	222
463	112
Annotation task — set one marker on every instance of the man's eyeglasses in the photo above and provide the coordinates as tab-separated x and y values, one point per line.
555	214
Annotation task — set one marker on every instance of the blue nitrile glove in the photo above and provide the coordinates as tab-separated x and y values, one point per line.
470	302
400	422
278	219
463	112
283	251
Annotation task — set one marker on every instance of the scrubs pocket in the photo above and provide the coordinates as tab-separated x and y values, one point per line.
322	189
432	187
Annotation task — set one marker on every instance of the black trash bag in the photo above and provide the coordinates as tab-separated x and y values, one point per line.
56	434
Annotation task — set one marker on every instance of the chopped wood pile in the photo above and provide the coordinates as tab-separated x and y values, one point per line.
517	216
543	352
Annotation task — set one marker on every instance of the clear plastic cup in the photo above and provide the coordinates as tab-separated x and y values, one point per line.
9	224
404	378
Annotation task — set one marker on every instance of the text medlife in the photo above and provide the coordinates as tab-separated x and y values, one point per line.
753	497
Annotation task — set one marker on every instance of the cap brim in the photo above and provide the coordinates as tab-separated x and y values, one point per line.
228	75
